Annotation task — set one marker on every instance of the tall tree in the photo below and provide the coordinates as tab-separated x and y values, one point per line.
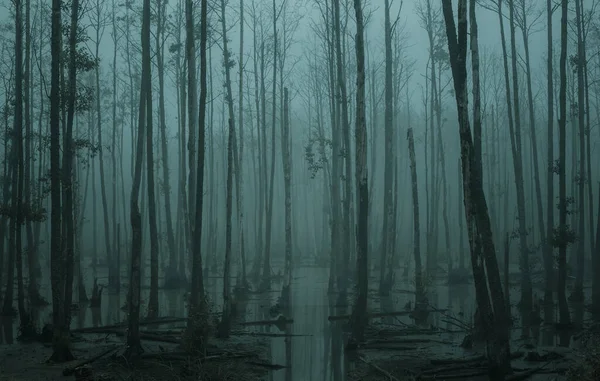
134	347
197	301
564	236
359	312
478	220
266	274
389	157
166	184
68	160
577	294
154	247
60	342
287	183
225	322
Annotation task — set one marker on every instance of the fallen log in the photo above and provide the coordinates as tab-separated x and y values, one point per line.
266	334
143	336
68	371
458	376
279	322
526	374
381	314
450	361
267	365
124	325
381	371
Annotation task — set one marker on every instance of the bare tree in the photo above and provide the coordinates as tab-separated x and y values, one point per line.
476	210
359	312
60	341
134	347
564	235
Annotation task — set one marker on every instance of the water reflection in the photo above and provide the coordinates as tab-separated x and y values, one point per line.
321	355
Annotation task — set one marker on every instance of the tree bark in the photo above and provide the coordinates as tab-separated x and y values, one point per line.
134	347
197	298
416	225
359	313
475	203
60	342
287	180
577	294
563	229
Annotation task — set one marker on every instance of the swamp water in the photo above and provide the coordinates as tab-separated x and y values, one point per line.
315	348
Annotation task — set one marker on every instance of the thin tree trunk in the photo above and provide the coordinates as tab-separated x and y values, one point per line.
577	294
134	347
563	307
287	180
197	297
154	247
60	342
359	318
475	204
266	275
550	202
416	226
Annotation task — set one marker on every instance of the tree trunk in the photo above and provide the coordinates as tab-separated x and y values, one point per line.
563	230
550	201
134	347
240	161
287	180
113	149
416	226
60	342
526	290
475	204
359	313
225	325
266	274
153	298
577	294
389	158
195	327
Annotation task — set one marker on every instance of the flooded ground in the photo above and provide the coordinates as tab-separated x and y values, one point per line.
313	346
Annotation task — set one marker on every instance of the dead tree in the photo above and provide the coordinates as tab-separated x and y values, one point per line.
60	343
225	318
563	233
476	210
359	312
134	347
197	298
416	226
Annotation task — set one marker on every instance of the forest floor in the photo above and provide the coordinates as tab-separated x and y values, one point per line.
237	359
395	353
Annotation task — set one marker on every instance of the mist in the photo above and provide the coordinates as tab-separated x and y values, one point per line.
300	189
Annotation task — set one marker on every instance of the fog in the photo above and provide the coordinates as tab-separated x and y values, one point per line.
473	216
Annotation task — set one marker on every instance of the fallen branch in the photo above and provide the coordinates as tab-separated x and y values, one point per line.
459	376
68	371
450	361
267	365
124	325
380	314
388	348
405	341
526	374
265	334
378	369
143	336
